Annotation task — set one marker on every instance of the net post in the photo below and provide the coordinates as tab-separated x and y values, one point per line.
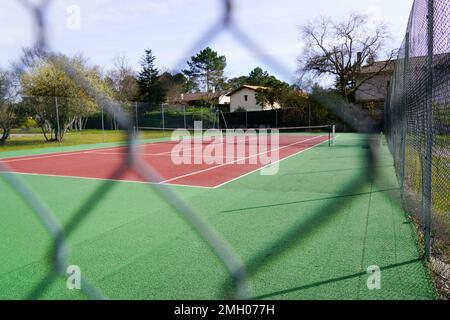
329	136
333	134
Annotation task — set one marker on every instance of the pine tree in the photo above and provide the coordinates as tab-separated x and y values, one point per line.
150	88
205	71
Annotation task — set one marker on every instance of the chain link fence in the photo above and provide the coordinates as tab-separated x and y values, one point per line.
417	118
410	141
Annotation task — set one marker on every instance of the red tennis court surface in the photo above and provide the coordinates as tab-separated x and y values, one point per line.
103	163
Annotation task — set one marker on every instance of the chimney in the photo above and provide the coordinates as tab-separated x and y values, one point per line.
359	61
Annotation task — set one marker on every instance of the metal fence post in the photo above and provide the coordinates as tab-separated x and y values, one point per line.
427	184
136	114
246	119
184	116
103	125
309	114
58	134
403	113
276	118
218	118
393	119
201	114
387	107
163	118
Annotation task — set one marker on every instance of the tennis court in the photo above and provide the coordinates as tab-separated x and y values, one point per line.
93	207
102	163
131	244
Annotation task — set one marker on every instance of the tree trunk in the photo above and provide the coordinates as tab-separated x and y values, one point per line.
44	132
85	121
5	135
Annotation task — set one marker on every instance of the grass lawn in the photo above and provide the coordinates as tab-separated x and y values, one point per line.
34	139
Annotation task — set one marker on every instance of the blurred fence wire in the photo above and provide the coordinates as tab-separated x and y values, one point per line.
417	128
417	121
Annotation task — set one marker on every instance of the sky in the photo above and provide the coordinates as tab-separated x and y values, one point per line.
103	29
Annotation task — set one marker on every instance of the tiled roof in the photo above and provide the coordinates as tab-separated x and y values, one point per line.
198	96
254	87
248	87
378	66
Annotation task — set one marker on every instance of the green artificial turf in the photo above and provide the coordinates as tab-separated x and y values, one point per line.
309	232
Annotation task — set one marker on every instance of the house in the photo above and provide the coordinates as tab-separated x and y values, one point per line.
245	98
220	98
373	83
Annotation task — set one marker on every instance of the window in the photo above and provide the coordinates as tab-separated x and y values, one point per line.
246	97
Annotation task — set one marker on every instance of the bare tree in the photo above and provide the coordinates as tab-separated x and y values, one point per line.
8	95
123	78
340	49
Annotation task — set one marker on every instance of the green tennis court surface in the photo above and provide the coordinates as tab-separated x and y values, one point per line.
133	245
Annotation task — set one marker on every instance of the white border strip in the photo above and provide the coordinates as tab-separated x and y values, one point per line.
104	179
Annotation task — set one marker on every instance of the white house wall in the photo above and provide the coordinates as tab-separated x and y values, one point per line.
224	100
373	89
238	101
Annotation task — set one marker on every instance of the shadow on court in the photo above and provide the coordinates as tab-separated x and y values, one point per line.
310	200
334	280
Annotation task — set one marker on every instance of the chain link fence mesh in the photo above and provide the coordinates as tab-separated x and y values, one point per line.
406	130
418	122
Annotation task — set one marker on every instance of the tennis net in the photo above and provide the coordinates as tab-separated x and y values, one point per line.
283	136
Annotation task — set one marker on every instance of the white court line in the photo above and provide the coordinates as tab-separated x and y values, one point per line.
231	162
37	157
68	153
159	154
23	158
169	152
104	179
201	140
159	183
54	154
270	164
